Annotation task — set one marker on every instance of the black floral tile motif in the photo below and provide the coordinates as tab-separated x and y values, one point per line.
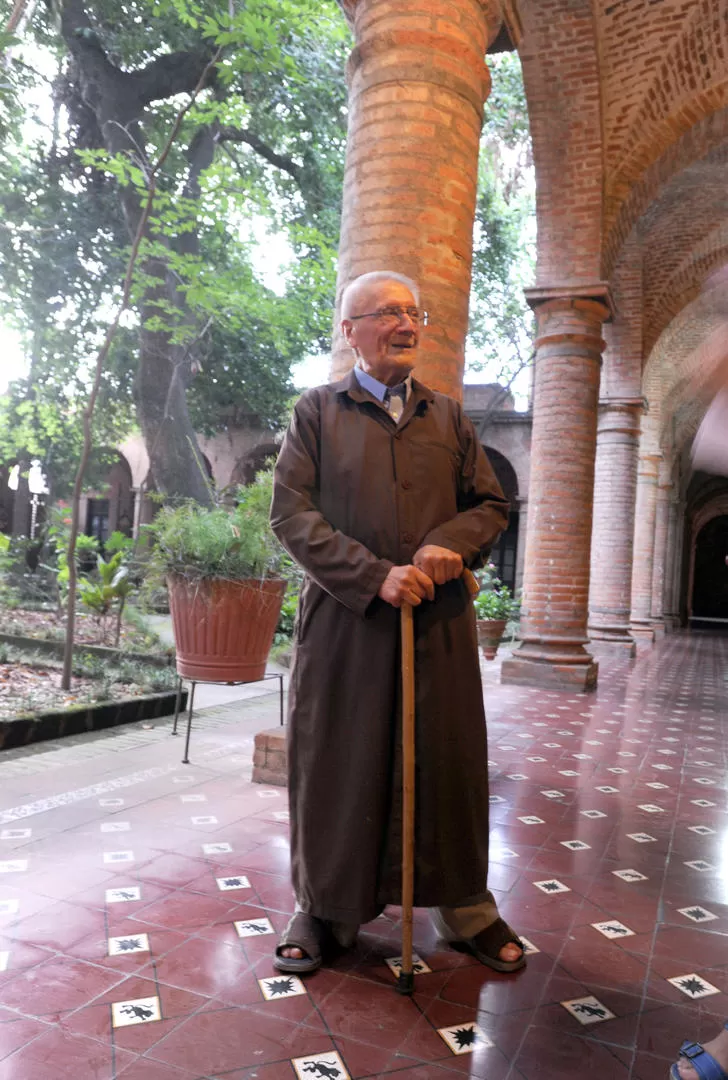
694	986
281	986
697	913
465	1038
552	886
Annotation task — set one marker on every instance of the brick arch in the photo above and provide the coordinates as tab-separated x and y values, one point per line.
704	136
684	82
561	76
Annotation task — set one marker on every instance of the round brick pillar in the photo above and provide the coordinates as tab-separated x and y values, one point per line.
615	485
563	445
417	86
644	546
659	558
672	564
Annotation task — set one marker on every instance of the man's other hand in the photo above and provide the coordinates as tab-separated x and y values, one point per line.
440	564
406	585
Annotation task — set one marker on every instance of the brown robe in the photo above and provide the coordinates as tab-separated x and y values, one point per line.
354	495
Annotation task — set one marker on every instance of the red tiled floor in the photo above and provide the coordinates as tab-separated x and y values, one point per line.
58	983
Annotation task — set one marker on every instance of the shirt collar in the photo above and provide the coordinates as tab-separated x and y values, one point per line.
378	389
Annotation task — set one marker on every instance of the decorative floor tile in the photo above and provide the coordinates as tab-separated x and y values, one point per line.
131	943
705	803
419	967
253	927
629	875
516	776
207	820
592	813
551	886
282	815
531	819
13	866
607	790
697	914
575	845
268	793
115	826
465	1038
536	760
9	907
4	960
613	929
16	834
651	808
663	768
658	786
694	986
217	849
700	865
276	987
567	772
227	884
588	1010
701	830
325	1066
137	1011
528	946
704	780
123	896
118	856
494	799
642	837
108	803
193	798
554	794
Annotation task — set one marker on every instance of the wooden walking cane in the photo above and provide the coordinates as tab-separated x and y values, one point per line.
406	979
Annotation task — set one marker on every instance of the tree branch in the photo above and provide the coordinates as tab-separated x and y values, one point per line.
174	73
279	161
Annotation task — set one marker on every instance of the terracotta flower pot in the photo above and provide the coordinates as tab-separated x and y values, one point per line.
224	629
490	635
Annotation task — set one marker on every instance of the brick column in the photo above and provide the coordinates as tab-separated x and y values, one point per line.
522	533
672	606
615	485
556	584
659	556
644	545
417	86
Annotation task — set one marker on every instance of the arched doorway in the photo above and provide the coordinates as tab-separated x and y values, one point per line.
710	580
503	554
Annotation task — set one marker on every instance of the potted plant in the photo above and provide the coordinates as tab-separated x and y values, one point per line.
222	567
494	606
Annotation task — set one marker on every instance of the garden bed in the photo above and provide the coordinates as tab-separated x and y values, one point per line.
50	625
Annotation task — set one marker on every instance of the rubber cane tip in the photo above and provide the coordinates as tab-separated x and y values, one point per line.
406	982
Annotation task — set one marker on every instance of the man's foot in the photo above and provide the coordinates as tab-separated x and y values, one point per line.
498	947
300	948
717	1048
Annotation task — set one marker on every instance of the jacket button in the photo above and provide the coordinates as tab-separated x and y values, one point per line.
407	538
406	484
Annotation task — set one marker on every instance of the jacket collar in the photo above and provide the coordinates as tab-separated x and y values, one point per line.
350	385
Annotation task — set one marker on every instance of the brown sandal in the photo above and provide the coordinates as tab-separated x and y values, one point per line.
486	945
307	933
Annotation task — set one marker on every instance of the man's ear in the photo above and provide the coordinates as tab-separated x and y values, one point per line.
347	328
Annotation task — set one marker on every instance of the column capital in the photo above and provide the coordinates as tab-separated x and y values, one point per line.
626	404
599	293
497	13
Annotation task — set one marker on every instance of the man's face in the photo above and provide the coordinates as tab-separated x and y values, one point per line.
386	345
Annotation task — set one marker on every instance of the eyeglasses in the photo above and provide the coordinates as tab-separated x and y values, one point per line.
414	314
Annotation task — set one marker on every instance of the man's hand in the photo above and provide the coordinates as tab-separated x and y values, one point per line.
406	585
440	564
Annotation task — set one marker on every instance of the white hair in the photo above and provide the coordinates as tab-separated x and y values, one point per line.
352	291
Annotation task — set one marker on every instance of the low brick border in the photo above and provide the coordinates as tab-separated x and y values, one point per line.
55	648
75	721
270	761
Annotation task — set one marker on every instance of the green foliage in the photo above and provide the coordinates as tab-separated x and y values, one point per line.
225	542
495	600
501	324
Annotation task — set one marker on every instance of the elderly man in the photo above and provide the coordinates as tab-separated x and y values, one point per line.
383	494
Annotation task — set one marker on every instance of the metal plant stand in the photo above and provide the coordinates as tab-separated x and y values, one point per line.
216	682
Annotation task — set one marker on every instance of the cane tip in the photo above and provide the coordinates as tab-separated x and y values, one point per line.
405	982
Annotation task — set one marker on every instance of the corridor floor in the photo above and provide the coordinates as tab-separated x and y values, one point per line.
140	898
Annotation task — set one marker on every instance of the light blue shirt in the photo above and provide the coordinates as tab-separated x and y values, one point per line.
378	389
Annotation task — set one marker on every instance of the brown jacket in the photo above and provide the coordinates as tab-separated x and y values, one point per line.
354	495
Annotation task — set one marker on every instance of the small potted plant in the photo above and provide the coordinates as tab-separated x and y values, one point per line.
494	605
222	567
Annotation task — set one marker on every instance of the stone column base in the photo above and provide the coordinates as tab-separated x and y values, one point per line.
270	761
611	645
659	627
643	631
525	671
